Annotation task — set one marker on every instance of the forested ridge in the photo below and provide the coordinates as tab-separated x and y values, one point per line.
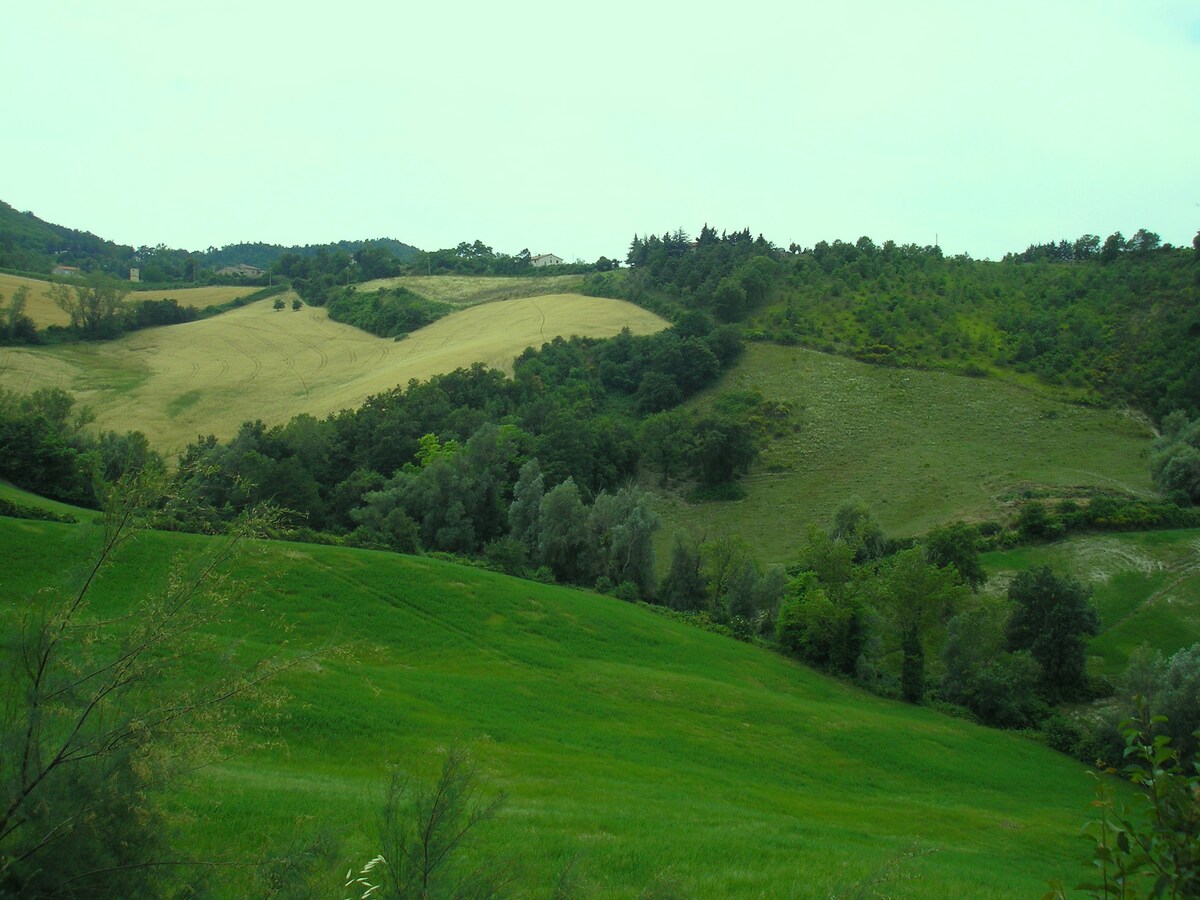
33	246
1111	321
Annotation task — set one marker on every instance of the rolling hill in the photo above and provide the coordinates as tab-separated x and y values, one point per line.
920	448
256	362
647	751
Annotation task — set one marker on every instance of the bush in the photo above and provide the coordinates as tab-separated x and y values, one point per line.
1063	735
1150	848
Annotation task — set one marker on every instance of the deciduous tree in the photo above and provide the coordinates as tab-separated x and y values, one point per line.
1051	618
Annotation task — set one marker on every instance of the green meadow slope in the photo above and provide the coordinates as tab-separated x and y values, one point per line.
1146	587
644	749
921	448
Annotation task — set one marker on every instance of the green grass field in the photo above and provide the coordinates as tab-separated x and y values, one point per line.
175	382
42	310
24	498
920	448
644	749
1146	587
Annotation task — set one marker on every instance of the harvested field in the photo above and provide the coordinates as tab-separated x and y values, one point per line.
42	310
177	382
471	290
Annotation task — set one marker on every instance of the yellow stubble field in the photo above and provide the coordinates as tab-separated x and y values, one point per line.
42	310
176	382
469	290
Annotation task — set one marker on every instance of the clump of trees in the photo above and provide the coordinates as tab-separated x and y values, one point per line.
1175	459
906	620
15	326
387	313
45	447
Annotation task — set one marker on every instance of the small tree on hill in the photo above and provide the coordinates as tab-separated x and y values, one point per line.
93	305
1052	617
684	586
917	597
424	831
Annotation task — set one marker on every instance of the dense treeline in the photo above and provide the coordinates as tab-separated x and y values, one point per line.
45	448
1113	320
725	276
1121	325
571	405
29	244
477	258
907	620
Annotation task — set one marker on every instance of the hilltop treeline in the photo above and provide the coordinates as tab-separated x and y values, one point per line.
33	246
1115	320
1123	328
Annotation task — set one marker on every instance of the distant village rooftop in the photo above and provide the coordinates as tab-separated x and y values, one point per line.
546	259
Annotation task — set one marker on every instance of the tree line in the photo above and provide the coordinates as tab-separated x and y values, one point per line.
1113	320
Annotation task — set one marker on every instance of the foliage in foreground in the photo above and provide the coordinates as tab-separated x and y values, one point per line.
89	737
1151	847
425	837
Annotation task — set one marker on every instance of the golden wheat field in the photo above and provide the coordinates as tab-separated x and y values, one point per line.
42	310
470	290
179	381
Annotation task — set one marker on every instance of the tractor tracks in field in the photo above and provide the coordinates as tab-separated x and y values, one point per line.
541	320
254	360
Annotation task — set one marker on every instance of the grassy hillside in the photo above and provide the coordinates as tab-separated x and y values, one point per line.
470	290
921	448
256	362
646	750
1146	587
42	310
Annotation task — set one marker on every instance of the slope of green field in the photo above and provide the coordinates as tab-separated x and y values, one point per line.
1145	585
921	448
24	498
42	310
643	749
256	362
471	290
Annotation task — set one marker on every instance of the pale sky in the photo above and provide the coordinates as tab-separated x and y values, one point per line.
565	128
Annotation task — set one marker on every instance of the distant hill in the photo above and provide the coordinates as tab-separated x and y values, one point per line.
31	245
263	255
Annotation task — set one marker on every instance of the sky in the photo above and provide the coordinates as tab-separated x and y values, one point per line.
567	128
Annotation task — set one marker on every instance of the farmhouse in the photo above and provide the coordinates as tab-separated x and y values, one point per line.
546	259
242	269
67	271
